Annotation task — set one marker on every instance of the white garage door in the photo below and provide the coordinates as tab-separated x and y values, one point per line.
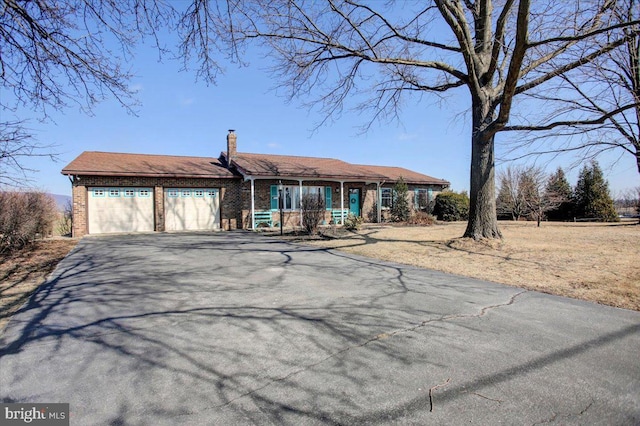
120	210
190	209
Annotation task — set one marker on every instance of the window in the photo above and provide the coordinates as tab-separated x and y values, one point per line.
114	192
186	193
423	199
129	193
315	192
211	193
173	193
98	192
387	198
291	195
199	193
144	193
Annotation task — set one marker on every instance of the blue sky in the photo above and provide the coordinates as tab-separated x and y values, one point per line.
179	116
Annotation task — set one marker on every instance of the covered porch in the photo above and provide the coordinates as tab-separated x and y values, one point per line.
284	201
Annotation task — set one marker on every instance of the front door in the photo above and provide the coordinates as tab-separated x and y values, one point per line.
354	201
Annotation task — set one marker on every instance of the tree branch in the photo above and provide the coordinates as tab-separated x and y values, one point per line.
570	123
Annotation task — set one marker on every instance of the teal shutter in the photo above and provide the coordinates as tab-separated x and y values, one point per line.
274	197
327	197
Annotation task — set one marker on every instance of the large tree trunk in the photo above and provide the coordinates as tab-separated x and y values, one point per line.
483	221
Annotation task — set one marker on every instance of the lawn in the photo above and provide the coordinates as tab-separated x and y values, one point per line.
589	261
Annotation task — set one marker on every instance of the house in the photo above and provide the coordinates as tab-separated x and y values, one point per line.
116	192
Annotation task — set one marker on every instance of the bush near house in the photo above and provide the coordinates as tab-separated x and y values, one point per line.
25	216
400	210
312	212
451	206
421	218
352	222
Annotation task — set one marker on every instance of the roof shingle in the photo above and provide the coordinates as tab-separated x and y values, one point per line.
324	168
95	163
409	176
267	165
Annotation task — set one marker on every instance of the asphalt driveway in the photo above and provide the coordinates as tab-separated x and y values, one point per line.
236	328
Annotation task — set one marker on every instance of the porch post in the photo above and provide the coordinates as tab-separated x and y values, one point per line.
342	202
300	195
253	205
378	206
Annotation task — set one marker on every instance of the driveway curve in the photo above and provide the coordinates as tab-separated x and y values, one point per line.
237	328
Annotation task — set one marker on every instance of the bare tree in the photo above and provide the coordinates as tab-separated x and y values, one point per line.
333	51
65	222
54	54
538	197
525	192
511	198
25	216
58	53
16	143
596	107
312	212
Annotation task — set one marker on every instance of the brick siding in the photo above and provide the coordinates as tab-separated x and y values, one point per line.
235	198
230	197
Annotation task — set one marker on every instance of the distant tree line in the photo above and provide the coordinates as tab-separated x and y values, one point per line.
527	192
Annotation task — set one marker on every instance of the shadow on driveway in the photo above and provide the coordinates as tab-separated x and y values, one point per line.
201	328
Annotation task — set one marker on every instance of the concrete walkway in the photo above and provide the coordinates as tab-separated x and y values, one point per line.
236	328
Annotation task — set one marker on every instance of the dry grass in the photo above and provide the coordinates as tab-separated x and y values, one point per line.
590	261
23	271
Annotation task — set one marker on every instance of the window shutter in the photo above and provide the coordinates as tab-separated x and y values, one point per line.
274	197
327	197
416	199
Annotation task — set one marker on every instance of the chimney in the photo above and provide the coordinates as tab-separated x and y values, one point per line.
232	145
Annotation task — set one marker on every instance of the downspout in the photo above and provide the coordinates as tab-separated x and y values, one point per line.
300	206
378	201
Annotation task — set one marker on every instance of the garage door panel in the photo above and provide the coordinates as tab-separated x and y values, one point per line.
191	209
120	210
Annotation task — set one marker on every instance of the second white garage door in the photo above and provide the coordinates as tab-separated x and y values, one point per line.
190	209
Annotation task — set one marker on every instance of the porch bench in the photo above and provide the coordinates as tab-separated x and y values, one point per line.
263	217
336	215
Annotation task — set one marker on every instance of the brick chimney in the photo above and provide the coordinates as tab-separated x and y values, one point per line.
232	145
